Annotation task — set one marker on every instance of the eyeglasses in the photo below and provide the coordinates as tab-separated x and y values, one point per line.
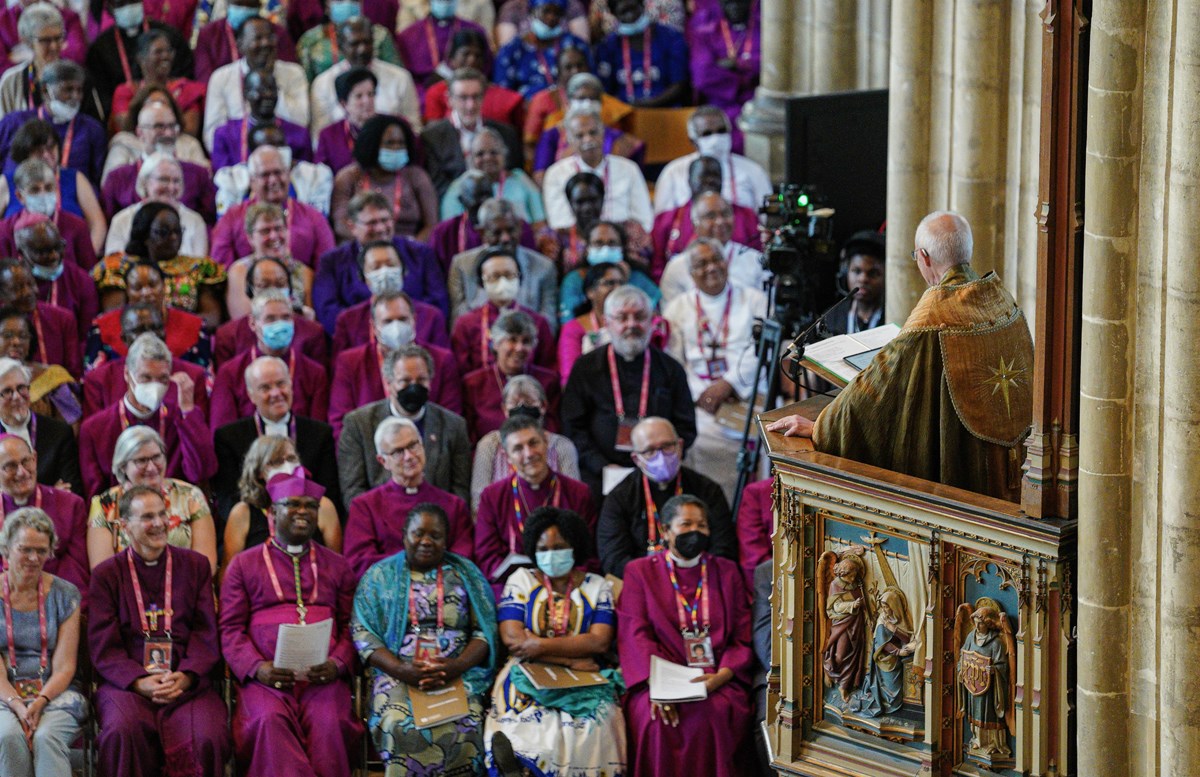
666	446
914	253
50	40
299	505
11	468
398	453
143	462
22	550
21	388
162	127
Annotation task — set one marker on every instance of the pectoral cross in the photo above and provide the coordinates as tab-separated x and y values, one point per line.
153	614
302	611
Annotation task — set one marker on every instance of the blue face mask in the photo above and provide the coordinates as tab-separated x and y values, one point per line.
341	10
602	254
543	31
636	27
393	159
278	335
443	9
236	15
46	273
556	563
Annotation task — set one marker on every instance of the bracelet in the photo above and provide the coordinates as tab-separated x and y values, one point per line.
43	696
9	700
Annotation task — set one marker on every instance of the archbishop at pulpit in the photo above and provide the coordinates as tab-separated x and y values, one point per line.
950	398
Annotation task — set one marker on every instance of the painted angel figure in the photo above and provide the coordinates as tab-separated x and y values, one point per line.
987	659
844	604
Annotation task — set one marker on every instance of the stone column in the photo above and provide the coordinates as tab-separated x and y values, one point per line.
834	46
1106	388
763	118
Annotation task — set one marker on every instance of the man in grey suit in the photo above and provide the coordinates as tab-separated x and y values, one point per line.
447	448
499	225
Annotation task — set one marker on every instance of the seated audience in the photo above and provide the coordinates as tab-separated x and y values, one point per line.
159	180
21	416
672	13
513	339
111	58
537	279
712	336
522	396
612	388
18	44
360	374
755	524
547	107
423	619
36	189
308	183
558	614
216	43
256	44
743	181
641	61
156	58
62	85
453	236
586	331
250	523
273	323
630	526
470	50
325	45
506	505
528	55
146	714
447	457
66	511
45	707
140	460
382	163
340	283
356	90
60	283
265	274
19	85
585	193
375	529
290	721
584	92
308	233
231	140
654	623
52	391
426	43
183	430
481	13
55	328
266	226
448	141
395	92
606	244
726	74
712	220
138	139
626	195
500	277
489	155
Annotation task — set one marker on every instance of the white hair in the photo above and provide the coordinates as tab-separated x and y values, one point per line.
128	444
148	347
252	369
150	167
389	426
946	237
261	299
8	365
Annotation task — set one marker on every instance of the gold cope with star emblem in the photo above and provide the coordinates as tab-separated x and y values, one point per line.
989	372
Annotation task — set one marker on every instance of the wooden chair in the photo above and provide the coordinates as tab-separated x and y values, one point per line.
665	132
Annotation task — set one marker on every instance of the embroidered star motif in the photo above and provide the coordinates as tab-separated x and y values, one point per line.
1004	378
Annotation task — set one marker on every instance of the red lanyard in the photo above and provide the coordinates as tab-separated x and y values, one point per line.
441	605
485	337
37	327
151	625
331	34
618	400
558	613
65	151
629	66
516	493
37	490
233	50
8	628
162	419
730	49
350	136
397	192
245	145
702	327
544	65
700	604
652	526
462	233
120	41
301	610
435	54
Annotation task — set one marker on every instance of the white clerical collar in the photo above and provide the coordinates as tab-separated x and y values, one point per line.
679	562
399	413
129	406
20	502
21	431
279	427
294	550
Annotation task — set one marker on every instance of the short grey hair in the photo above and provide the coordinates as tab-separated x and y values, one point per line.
255	158
578	112
127	445
946	237
252	369
494	208
584	79
390	426
623	295
703	111
523	386
31	171
61	71
695	217
261	299
148	347
8	365
514	323
27	518
410	351
491	132
712	244
150	167
36	18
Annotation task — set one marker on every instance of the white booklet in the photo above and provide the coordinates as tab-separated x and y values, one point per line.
828	356
300	647
673	682
510	564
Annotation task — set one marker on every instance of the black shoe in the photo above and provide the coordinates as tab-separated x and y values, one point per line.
504	758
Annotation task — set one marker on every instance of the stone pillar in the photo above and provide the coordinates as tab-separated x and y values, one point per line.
835	52
1107	376
763	118
909	104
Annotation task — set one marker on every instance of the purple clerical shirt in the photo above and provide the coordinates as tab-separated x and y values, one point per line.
216	47
105	384
235	336
75	292
483	402
230	400
231	142
309	235
358	380
375	528
456	235
74	232
354	326
199	194
472	346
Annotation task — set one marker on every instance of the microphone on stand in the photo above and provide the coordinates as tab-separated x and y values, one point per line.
796	349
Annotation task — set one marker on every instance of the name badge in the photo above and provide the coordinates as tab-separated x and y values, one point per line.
699	650
156	656
716	368
28	689
427	647
625	436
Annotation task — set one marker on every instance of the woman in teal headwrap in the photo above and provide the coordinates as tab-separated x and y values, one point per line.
558	614
408	640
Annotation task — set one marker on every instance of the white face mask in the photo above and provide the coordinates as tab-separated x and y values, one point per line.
396	334
287	468
385	279
717	146
45	203
502	290
149	395
62	112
